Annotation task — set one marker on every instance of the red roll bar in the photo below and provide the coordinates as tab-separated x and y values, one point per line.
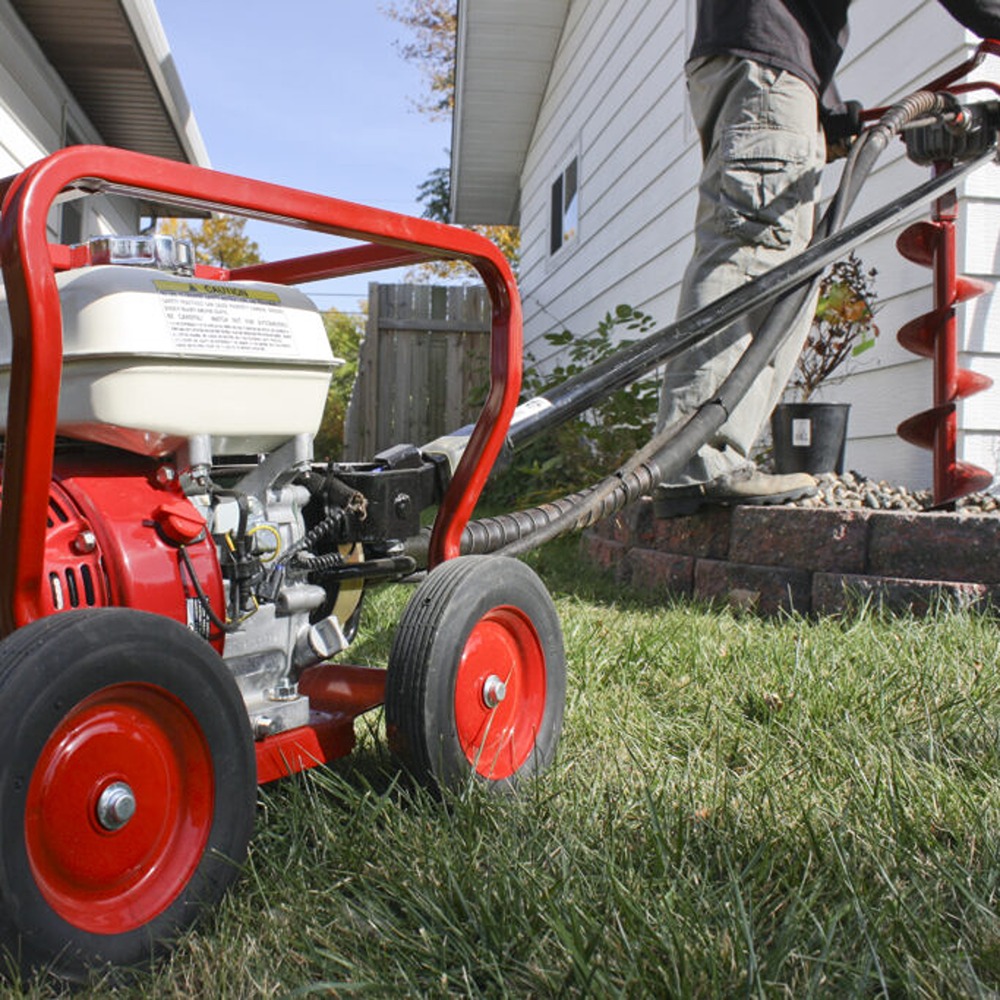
385	240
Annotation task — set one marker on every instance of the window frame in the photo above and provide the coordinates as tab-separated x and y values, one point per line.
564	206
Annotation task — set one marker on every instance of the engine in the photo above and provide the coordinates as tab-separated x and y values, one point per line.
184	476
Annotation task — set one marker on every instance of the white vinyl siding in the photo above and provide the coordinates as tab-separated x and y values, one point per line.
605	97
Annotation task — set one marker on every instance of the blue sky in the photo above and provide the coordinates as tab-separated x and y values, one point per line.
309	93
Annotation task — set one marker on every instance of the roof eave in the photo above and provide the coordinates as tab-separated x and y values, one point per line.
504	55
155	51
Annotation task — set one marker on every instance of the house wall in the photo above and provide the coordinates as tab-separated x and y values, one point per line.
38	115
616	100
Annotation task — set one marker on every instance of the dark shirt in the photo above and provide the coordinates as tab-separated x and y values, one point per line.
805	37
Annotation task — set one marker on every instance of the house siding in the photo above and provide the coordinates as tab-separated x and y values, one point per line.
605	103
37	111
616	99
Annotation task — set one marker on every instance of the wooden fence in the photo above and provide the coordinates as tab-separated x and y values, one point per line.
423	368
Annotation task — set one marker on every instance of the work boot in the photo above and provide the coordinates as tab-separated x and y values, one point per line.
744	486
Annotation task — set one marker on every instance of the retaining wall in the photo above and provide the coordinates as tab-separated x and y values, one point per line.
813	561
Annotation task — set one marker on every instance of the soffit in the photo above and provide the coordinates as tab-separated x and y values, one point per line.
504	58
114	59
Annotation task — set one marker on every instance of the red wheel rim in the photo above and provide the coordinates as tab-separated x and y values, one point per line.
498	738
102	876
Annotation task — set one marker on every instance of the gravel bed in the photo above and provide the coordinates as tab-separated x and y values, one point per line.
853	490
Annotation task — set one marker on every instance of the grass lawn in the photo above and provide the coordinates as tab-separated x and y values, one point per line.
740	808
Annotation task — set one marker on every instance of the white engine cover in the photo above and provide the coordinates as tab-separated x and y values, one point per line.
151	359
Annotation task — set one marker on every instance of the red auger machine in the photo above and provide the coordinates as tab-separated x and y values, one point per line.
180	579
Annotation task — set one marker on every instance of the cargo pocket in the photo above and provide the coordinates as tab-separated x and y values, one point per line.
766	176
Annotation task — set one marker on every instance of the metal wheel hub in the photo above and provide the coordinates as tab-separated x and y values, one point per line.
100	863
115	806
497	718
494	691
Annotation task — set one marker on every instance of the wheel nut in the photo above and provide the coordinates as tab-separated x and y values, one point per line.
494	691
116	806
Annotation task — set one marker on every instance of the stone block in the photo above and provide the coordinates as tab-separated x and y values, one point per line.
800	538
633	525
660	572
705	535
764	589
606	553
962	548
833	593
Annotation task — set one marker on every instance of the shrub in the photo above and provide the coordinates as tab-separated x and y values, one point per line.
843	327
345	333
586	449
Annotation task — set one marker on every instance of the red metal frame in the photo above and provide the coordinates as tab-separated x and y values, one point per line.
326	737
29	263
338	693
988	46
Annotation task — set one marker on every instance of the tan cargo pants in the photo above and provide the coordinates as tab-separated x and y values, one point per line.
763	152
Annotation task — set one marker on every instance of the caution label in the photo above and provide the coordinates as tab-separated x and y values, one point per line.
215	318
528	409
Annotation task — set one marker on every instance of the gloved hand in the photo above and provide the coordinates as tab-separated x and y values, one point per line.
842	126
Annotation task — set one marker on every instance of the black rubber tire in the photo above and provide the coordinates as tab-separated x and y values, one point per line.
53	670
424	664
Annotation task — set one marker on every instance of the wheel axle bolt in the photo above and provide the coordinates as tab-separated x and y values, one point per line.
116	806
494	691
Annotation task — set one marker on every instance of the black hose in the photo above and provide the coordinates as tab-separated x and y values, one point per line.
664	456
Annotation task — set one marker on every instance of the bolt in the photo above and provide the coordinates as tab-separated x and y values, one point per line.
494	691
263	726
84	543
116	806
401	505
283	692
165	475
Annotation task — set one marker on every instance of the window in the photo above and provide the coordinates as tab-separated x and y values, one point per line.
565	207
71	224
71	220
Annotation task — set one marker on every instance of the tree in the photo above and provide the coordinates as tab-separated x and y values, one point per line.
434	24
345	333
435	195
220	240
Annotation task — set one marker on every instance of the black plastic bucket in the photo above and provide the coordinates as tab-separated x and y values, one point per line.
809	437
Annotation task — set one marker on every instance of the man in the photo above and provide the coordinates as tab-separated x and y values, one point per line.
756	74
